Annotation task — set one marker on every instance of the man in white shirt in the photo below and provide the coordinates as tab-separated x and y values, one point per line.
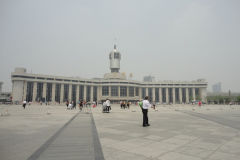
108	105
145	106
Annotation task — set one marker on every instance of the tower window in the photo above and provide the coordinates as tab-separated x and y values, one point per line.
116	55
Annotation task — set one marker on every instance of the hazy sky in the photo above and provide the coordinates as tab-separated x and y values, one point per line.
168	39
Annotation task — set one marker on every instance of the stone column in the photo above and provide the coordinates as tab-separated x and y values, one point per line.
53	92
34	91
77	94
98	95
134	91
153	94
24	90
193	94
187	95
91	95
127	92
173	95
160	95
140	93
180	95
109	91
85	92
45	90
167	96
118	91
99	91
146	91
62	93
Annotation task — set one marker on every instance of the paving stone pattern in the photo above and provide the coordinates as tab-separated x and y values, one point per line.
173	134
177	132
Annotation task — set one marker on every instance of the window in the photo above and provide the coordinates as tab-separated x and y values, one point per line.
105	91
74	88
49	92
81	92
40	78
66	88
157	94
170	94
88	96
95	93
114	91
143	93
57	92
131	91
137	91
150	94
39	91
29	91
164	95
116	55
123	91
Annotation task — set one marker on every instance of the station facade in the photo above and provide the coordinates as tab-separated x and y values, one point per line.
114	86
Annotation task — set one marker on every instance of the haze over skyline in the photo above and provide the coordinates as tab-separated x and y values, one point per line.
171	40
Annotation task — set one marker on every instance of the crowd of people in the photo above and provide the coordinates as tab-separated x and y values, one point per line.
124	104
106	107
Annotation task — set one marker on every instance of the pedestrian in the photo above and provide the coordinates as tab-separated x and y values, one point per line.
94	104
67	103
154	106
70	105
24	104
81	105
121	104
104	107
199	103
74	104
128	104
108	105
145	106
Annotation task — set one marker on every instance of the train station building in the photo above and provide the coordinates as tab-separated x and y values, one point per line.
114	86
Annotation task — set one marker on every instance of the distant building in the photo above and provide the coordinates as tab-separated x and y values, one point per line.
114	86
5	97
148	79
1	87
217	88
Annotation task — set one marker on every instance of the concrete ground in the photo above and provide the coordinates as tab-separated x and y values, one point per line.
210	132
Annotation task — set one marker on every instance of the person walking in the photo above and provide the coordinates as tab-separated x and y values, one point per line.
124	105
128	104
74	104
145	106
67	103
24	104
81	105
108	105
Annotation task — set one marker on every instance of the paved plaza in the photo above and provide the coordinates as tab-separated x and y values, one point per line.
177	132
